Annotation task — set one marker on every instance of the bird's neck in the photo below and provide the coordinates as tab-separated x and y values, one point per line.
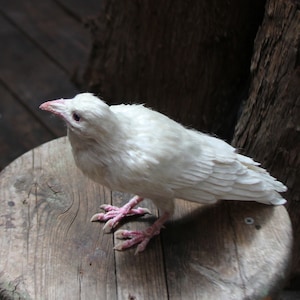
104	145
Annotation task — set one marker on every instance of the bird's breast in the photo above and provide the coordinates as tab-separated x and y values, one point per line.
91	166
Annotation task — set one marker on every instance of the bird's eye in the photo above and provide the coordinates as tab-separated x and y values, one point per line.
76	117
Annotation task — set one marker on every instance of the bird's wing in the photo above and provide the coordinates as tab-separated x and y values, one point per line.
208	173
218	172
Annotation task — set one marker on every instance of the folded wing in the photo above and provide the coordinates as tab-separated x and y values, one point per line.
218	172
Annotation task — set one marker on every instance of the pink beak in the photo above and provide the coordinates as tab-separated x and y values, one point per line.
57	107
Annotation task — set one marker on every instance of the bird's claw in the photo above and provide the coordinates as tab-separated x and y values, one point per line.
108	207
112	220
141	238
133	211
114	214
109	225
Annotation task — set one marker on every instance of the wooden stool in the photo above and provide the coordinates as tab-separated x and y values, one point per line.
50	249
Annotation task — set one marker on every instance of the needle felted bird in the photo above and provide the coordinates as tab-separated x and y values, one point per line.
131	148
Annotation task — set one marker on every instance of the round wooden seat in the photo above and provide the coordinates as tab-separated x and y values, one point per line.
51	250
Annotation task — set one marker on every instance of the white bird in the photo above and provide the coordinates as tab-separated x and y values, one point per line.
131	148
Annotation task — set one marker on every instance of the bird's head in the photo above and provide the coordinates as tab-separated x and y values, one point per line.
85	115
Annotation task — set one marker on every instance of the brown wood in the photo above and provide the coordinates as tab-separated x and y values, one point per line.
55	257
20	131
81	9
38	78
188	59
62	38
269	127
50	249
43	53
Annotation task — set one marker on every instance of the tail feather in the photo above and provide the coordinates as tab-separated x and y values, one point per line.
259	185
272	198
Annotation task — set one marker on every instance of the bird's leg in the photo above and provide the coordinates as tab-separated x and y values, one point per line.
140	237
113	214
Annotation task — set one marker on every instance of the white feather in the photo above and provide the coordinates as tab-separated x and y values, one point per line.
135	149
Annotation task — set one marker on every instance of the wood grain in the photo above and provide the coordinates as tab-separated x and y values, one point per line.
43	54
222	254
62	38
21	62
19	132
50	249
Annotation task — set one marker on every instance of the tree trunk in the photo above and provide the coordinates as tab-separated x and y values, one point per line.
269	128
188	59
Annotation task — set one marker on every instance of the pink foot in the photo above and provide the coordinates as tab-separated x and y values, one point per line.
141	238
113	214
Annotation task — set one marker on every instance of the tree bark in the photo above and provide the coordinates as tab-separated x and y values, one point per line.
269	127
187	59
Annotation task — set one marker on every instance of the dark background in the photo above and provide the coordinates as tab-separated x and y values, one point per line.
44	50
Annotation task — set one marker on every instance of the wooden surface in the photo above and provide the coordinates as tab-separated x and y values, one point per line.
50	249
44	49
